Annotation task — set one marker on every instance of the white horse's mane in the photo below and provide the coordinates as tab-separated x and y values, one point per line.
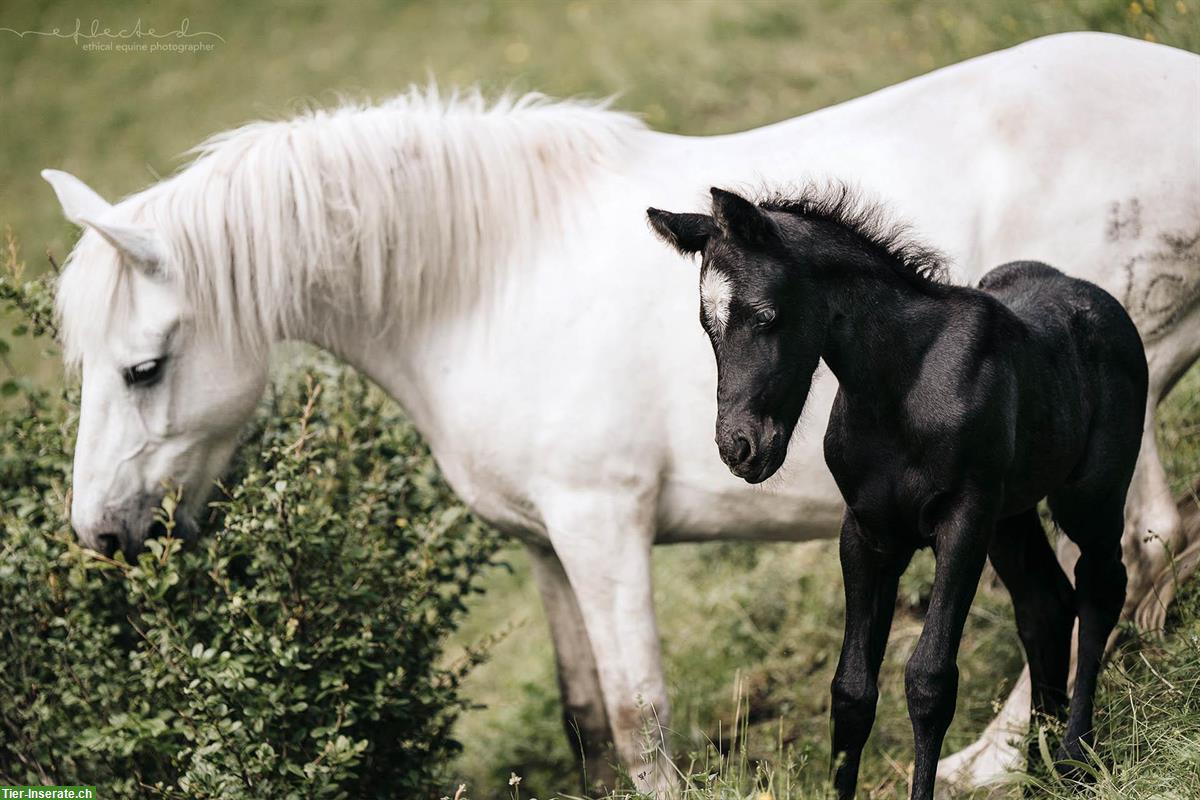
401	209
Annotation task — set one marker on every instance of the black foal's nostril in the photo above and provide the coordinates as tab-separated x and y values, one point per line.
741	448
109	543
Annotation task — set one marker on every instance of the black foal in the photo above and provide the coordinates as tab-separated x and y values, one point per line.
958	410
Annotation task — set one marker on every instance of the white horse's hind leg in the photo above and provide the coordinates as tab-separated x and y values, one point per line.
579	683
604	546
1152	527
1182	566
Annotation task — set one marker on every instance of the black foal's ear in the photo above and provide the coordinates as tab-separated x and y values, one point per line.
687	233
742	219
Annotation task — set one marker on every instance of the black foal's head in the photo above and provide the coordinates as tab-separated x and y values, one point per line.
766	325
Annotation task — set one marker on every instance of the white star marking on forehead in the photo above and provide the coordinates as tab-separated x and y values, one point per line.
716	292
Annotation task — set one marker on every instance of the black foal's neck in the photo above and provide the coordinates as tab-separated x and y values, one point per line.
882	318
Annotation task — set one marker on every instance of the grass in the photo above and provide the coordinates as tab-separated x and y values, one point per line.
759	623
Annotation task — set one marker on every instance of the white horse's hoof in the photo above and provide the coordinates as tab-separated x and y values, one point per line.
987	762
1151	612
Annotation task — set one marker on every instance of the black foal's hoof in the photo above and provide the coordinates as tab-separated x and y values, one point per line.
1067	759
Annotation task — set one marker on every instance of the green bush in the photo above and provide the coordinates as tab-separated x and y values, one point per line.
294	651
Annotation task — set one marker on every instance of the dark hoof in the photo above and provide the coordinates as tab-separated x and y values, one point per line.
1067	759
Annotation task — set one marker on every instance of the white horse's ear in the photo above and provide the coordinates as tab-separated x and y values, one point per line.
79	201
82	206
139	245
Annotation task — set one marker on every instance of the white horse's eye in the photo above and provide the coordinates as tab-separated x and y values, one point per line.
145	373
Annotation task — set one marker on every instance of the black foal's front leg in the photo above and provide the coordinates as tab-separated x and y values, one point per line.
931	676
870	578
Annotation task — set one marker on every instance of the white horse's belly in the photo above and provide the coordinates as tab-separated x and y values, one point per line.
699	513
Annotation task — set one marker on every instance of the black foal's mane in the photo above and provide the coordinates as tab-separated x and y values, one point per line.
870	221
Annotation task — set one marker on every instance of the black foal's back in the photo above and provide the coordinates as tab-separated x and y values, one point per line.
1031	386
1080	368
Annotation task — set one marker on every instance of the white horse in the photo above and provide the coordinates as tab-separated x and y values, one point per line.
490	268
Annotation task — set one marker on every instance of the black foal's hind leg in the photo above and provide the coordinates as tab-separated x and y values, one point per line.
871	580
1100	593
1043	602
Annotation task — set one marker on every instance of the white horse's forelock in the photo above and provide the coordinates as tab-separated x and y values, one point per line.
398	210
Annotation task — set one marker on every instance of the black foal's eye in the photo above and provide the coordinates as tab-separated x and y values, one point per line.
145	373
764	317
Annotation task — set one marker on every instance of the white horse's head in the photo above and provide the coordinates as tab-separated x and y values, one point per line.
346	228
161	406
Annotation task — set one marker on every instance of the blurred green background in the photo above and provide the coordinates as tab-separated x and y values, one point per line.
769	615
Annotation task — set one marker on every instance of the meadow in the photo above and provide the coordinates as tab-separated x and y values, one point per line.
750	632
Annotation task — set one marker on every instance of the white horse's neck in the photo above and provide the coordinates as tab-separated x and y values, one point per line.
402	226
368	221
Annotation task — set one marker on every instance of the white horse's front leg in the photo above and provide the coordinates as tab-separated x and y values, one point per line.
584	715
604	545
